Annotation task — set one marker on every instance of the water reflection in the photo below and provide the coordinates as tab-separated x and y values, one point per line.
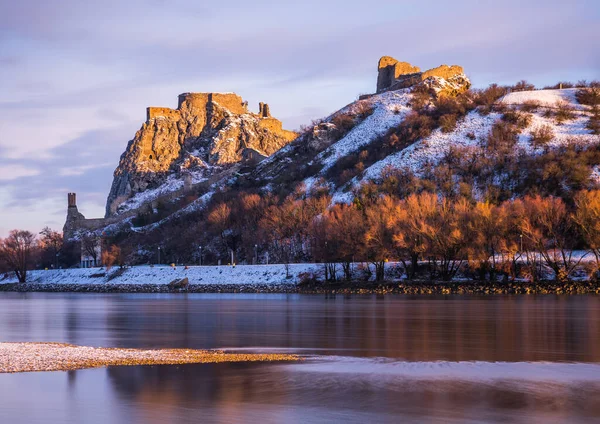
522	328
391	359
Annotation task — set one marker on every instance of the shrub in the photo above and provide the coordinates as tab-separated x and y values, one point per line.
502	137
588	96
346	176
414	127
363	110
594	123
307	279
485	99
560	84
530	106
448	123
542	135
344	122
457	105
420	97
347	167
523	86
548	113
519	119
564	112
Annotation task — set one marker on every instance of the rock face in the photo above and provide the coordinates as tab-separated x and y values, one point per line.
395	75
206	130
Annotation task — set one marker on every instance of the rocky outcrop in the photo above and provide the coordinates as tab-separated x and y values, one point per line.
394	75
207	130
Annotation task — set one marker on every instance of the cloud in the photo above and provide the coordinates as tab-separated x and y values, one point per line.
11	172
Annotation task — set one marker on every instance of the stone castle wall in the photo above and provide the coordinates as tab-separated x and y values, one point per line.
162	112
230	101
275	125
389	69
443	71
395	75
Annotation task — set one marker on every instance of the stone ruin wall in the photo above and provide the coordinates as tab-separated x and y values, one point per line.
162	112
394	75
443	71
389	69
230	101
263	110
275	126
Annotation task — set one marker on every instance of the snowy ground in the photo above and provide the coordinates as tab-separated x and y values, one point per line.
474	127
543	97
241	274
389	110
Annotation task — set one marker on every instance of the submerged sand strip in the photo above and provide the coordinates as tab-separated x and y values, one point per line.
25	357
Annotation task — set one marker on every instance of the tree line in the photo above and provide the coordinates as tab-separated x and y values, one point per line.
430	235
23	250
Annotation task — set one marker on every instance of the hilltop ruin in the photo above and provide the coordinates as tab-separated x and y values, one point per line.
395	75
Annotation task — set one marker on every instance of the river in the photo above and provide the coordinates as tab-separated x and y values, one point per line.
368	359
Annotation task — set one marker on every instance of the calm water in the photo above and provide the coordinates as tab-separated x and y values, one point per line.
369	359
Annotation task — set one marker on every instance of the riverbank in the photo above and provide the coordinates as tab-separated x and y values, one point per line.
362	287
274	278
27	357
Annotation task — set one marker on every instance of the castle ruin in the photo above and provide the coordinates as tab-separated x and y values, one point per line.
76	222
395	75
77	227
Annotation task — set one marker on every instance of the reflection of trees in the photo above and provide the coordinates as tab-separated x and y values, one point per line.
216	386
421	328
230	392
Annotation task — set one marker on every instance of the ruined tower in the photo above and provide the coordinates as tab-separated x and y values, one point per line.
75	221
72	200
263	110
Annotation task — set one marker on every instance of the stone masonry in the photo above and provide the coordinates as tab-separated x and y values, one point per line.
394	75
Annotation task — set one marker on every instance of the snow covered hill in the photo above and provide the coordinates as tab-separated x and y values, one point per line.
351	147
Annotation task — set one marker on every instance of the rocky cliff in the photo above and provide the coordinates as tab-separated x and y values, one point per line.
207	131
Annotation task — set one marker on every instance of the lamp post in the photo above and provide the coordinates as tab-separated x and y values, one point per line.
158	255
521	237
56	261
200	247
267	255
256	254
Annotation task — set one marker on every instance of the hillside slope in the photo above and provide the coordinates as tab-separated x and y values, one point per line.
419	131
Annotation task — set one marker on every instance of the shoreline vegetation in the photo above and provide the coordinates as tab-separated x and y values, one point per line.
414	287
28	357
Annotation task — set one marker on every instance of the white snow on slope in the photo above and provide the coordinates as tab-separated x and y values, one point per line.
390	109
544	97
241	274
433	148
171	184
196	205
572	130
467	133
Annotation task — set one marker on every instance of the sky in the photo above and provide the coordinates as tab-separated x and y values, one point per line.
76	76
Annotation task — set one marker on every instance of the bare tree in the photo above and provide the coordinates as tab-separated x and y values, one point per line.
89	245
16	251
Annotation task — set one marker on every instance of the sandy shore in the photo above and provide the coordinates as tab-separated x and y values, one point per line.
25	357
